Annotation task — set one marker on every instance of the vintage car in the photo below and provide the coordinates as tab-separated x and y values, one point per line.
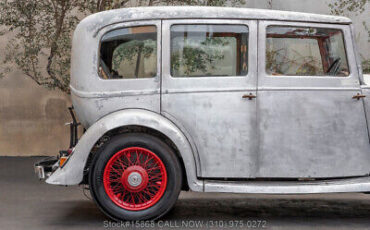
213	100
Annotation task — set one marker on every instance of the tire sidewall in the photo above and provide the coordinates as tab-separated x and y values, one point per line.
155	145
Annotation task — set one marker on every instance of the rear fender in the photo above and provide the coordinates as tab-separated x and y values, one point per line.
72	172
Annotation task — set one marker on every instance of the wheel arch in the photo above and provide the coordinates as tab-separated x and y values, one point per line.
134	129
72	173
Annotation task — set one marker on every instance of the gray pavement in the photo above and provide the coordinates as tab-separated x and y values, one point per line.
26	203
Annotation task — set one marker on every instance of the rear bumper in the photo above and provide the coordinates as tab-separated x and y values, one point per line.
45	167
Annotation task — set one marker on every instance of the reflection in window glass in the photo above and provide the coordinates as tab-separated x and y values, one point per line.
209	50
303	51
129	53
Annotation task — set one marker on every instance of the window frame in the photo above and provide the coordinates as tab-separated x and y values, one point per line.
211	24
267	81
105	31
208	83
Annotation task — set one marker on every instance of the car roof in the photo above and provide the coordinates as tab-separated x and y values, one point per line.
105	18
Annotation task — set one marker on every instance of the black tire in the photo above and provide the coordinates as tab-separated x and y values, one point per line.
154	144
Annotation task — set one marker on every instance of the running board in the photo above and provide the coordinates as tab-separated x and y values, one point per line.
358	184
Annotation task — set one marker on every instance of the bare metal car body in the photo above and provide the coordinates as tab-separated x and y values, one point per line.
301	134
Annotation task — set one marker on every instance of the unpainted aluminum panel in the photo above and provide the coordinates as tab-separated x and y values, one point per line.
313	134
94	97
309	126
95	22
73	171
212	111
89	110
223	127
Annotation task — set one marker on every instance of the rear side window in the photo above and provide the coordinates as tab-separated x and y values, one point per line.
209	50
129	53
305	51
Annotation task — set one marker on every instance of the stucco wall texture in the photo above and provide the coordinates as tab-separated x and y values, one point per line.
32	118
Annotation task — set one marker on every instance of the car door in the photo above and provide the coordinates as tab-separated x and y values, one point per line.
310	123
208	87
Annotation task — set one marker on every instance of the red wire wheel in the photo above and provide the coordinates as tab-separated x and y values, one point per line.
135	178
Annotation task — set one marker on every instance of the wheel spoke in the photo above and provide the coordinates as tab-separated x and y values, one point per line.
114	180
122	190
137	158
155	176
119	172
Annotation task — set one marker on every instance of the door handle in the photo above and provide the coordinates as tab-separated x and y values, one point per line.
249	96
358	96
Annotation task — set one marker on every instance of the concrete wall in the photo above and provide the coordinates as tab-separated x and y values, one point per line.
32	118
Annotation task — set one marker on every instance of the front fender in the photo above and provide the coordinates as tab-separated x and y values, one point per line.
72	172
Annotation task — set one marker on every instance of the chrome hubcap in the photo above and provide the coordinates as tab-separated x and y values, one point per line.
134	179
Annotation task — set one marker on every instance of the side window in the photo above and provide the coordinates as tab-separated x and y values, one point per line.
304	51
129	53
209	50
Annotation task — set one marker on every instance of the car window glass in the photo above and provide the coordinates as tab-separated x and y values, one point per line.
209	50
305	51
129	53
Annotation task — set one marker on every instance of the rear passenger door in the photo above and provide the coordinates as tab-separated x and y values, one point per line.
207	68
309	123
